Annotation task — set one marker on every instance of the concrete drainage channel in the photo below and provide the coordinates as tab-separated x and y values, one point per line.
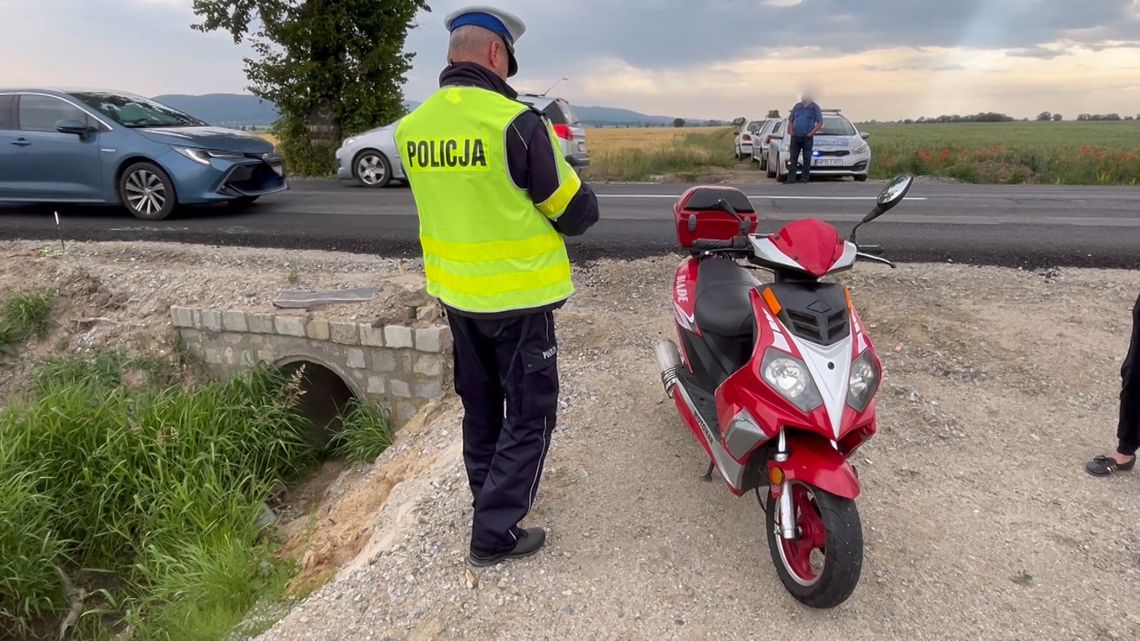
396	365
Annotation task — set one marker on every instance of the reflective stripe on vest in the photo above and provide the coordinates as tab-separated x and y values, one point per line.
487	247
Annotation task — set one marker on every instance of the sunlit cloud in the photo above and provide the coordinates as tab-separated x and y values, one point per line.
874	58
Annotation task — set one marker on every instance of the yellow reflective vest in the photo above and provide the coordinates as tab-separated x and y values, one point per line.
487	247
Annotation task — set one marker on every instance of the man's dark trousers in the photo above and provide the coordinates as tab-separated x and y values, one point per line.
1129	432
800	145
506	373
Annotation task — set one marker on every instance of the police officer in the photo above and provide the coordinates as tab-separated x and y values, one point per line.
495	198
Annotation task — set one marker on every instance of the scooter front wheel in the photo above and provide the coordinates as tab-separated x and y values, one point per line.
821	566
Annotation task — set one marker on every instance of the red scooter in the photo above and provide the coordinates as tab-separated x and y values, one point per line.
778	380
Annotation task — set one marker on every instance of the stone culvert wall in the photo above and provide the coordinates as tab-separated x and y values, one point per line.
397	365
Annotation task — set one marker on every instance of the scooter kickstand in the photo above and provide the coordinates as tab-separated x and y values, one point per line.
707	478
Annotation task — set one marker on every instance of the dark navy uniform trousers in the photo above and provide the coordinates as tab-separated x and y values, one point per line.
506	373
1129	431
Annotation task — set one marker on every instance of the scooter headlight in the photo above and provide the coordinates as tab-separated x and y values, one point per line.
790	377
864	382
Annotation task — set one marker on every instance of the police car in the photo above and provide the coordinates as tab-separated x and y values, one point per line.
840	150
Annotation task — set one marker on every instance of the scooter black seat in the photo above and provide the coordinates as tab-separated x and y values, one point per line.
723	304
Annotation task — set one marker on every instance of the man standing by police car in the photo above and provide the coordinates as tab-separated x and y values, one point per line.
495	197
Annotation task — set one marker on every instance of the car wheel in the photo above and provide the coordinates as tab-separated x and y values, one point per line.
763	160
861	178
146	190
372	169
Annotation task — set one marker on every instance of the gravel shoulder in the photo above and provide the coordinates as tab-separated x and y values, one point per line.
979	521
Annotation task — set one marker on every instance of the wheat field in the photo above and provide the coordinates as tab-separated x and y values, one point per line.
604	141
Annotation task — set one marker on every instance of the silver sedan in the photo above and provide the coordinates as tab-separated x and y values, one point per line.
370	158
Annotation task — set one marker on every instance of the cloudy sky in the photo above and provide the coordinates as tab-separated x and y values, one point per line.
695	58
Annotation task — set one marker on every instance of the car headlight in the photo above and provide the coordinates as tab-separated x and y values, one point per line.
790	377
350	142
864	382
204	155
861	149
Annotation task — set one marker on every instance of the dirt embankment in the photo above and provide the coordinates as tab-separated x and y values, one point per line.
979	522
118	295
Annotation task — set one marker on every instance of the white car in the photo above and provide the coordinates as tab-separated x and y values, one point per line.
371	158
566	127
840	150
762	140
743	141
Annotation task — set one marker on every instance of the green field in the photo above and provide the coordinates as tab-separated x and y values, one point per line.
1070	153
1066	153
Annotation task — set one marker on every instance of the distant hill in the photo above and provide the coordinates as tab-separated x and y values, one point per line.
617	117
225	109
235	110
609	116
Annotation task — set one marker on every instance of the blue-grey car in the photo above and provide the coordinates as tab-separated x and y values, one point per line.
117	148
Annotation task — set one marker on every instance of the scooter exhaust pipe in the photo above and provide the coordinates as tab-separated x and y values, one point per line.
668	360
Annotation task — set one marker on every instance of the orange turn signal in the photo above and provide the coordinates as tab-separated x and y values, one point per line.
847	295
777	476
773	304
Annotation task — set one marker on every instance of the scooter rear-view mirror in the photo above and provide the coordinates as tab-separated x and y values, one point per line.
891	195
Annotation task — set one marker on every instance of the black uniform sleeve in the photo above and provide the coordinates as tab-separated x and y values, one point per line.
534	167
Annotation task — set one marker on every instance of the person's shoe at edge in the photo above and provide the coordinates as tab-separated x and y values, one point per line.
1109	465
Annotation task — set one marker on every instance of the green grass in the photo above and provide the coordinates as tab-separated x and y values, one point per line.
1071	153
691	155
123	481
23	317
365	434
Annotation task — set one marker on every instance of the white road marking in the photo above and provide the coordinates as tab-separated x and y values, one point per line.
759	197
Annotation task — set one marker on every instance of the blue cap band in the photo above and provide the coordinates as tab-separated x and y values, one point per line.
488	22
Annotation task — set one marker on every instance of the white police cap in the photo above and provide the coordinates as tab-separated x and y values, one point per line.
504	24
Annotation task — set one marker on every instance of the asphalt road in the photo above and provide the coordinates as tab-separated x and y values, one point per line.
1030	226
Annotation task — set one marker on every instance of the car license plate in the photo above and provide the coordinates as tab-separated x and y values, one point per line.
827	162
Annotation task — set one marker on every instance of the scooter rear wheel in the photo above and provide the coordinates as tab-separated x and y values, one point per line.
820	568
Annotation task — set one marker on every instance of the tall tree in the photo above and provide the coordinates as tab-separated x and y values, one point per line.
331	66
773	113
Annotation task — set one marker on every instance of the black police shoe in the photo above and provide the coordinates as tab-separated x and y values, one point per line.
529	542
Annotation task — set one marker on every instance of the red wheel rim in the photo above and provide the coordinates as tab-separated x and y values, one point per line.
800	555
